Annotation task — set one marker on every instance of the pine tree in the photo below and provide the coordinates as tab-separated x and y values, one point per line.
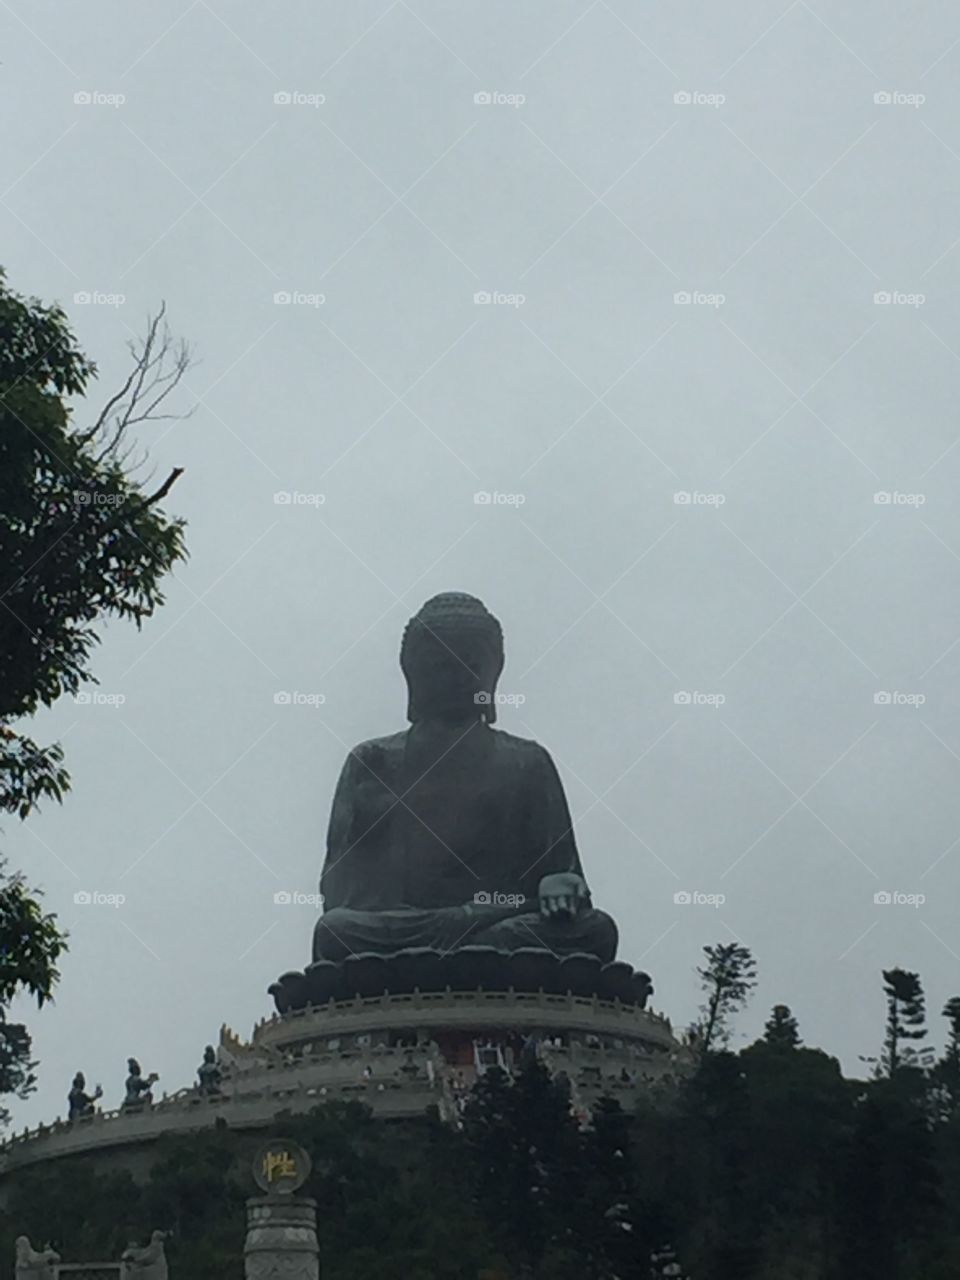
906	1018
780	1030
727	979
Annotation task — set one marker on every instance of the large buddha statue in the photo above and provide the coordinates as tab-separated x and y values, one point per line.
452	833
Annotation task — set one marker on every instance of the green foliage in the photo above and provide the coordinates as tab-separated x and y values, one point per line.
906	1019
80	540
30	946
763	1165
780	1030
727	979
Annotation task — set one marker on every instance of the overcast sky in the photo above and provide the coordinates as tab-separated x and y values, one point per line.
705	672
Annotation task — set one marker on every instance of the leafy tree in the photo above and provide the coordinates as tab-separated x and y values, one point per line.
526	1149
727	979
906	1019
80	538
30	946
80	541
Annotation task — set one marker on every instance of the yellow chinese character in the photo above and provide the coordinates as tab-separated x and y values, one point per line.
279	1164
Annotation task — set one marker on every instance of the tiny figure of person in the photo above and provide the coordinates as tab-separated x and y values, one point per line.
138	1088
80	1103
209	1074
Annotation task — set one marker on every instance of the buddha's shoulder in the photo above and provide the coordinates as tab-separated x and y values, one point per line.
380	748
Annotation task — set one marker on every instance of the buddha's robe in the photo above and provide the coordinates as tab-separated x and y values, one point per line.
425	820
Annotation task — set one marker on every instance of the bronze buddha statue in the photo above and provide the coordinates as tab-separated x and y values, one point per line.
452	833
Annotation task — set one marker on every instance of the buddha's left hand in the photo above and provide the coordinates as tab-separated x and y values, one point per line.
562	893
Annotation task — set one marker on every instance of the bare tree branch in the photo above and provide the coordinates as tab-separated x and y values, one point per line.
159	364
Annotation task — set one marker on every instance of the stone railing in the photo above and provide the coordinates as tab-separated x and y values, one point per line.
252	1103
453	999
459	1009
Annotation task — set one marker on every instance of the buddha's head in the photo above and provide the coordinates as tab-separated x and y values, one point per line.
79	1080
452	656
133	1066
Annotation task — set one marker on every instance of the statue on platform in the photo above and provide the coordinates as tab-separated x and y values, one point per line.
31	1265
451	833
148	1263
80	1104
209	1074
138	1088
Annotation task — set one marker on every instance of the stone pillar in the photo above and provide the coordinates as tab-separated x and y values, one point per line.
281	1238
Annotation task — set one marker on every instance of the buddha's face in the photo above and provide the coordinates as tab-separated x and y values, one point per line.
453	676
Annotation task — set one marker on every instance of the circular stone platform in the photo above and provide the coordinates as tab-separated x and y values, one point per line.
397	1053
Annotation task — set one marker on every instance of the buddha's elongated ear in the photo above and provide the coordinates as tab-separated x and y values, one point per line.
488	711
